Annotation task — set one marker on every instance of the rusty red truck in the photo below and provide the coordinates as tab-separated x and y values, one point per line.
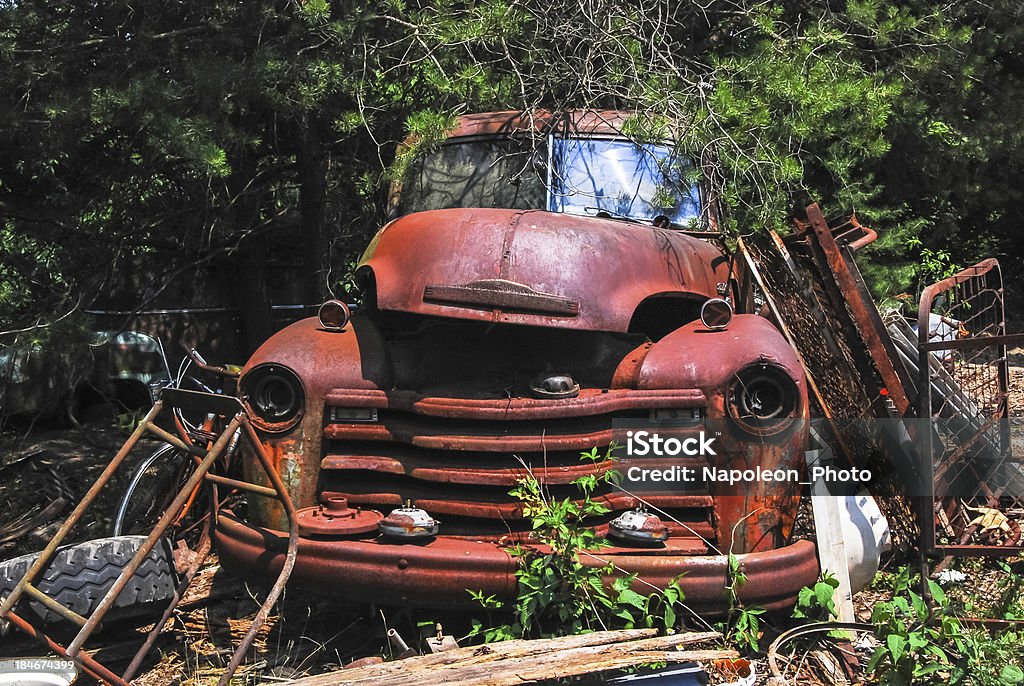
546	282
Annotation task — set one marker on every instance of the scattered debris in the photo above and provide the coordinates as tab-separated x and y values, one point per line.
511	663
949	577
814	662
440	642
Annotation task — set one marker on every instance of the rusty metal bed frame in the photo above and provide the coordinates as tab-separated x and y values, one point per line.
963	382
233	418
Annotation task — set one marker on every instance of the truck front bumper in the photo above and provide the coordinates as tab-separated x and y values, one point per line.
440	573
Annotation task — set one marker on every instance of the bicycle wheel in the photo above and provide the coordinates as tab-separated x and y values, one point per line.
151	489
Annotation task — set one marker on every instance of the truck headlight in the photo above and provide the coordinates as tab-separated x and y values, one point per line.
763	399
275	396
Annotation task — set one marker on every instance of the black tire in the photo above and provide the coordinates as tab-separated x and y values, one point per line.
81	574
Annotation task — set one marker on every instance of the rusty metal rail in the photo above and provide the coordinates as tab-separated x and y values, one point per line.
232	417
963	382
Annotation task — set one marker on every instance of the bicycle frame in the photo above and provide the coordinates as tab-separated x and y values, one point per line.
221	406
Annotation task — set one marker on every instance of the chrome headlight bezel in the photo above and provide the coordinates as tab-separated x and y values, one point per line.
274	397
763	399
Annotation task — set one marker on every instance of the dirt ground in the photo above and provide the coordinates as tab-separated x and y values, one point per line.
44	472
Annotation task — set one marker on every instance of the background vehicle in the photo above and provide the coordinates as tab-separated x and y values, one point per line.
541	287
120	372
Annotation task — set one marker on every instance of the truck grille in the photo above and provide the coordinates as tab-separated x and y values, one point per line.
458	458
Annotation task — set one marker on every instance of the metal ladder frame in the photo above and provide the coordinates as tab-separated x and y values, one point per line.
224	407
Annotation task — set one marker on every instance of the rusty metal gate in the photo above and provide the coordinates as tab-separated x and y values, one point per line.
973	480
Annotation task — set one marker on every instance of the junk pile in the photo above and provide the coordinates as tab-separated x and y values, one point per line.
923	404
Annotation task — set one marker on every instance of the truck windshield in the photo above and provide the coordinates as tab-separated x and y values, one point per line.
584	176
484	173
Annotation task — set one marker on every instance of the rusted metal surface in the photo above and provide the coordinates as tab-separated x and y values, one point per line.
862	309
590	401
457	453
607	267
811	282
788	280
333	517
499	294
495	344
589	122
968	462
206	457
752	516
427	449
438	573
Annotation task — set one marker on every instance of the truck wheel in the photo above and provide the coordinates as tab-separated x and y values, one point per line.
81	574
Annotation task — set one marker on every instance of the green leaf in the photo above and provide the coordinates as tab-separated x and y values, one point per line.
670	617
920	608
876	658
1011	674
633	599
897	646
823	593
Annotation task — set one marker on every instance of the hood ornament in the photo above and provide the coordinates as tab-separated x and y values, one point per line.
554	386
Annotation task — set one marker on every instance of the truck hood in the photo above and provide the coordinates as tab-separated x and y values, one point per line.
533	267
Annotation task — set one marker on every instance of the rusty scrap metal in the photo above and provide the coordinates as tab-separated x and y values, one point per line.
437	574
811	283
861	308
333	517
231	410
968	465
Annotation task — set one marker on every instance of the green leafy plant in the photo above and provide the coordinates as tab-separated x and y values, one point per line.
817	603
923	646
743	627
561	582
912	649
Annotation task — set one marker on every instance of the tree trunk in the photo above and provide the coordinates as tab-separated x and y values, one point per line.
312	160
250	295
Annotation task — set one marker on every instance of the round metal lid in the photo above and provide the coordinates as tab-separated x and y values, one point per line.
333	517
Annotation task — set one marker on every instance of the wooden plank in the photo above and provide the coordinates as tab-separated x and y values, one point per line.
828	529
527	661
556	667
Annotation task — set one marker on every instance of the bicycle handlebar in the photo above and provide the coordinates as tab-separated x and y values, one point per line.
197	360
